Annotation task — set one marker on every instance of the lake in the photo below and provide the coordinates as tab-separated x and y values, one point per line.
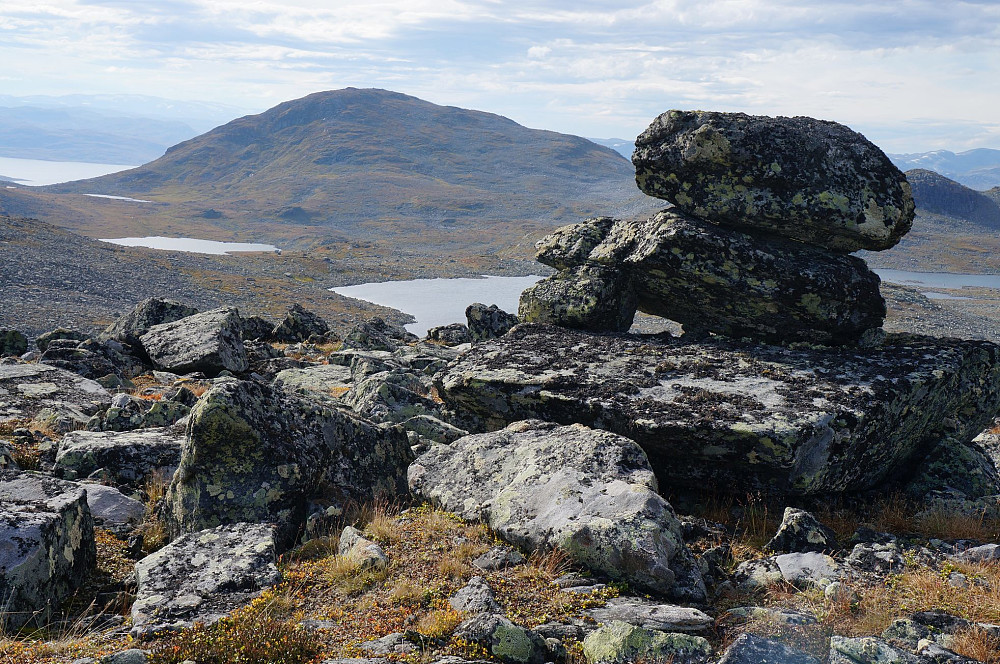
36	172
190	244
939	279
436	302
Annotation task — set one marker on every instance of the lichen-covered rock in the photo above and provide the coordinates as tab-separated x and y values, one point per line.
150	312
958	468
738	416
867	650
13	343
433	429
750	649
209	342
488	322
538	485
127	458
389	396
299	325
801	532
253	454
452	334
652	615
46	546
587	297
28	389
619	642
707	278
60	333
475	597
364	552
377	334
81	357
323	382
804	570
503	639
202	577
809	180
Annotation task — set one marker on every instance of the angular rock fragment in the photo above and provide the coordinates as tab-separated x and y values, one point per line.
488	322
750	649
503	639
366	553
28	389
127	458
867	650
12	342
299	325
801	532
46	546
452	334
809	180
538	485
475	597
202	577
209	342
738	416
150	312
619	642
651	615
587	297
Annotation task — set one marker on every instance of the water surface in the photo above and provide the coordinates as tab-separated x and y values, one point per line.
37	172
189	244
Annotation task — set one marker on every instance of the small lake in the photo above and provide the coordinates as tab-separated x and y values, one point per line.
190	244
948	280
37	172
436	302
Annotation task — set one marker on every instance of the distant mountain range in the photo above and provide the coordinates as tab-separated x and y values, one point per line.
979	168
935	194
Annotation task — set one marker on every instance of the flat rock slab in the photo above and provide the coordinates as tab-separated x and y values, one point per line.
323	382
538	485
652	615
209	342
27	389
738	416
127	457
46	545
202	577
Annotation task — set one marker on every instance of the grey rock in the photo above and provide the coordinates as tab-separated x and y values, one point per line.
433	429
453	334
798	569
740	415
956	467
905	633
324	382
389	396
12	343
879	559
933	653
390	644
503	639
202	577
127	458
539	486
488	322
774	615
42	342
254	454
299	325
28	389
750	649
366	553
86	358
130	656
810	180
150	312
867	650
209	342
475	597
499	557
987	553
801	532
651	615
112	509
46	546
619	642
838	592
377	334
707	278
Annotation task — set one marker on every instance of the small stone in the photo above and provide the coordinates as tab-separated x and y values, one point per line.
366	553
839	593
499	557
801	532
651	615
475	597
867	650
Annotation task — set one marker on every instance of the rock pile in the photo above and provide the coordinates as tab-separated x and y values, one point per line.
766	211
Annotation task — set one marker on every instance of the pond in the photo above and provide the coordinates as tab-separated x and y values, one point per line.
37	172
948	280
190	244
436	302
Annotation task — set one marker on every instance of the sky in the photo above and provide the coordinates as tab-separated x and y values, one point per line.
912	75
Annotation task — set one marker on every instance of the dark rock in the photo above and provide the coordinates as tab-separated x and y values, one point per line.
809	180
150	312
377	334
738	416
26	390
488	322
256	455
202	577
932	653
46	546
256	328
13	343
801	532
878	559
69	355
431	428
125	458
537	485
707	278
750	649
208	342
955	466
299	325
499	557
475	597
450	335
43	341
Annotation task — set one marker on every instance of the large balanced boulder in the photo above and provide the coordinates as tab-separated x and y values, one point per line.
150	312
28	389
738	416
809	180
253	454
210	342
46	546
540	486
708	278
126	458
202	577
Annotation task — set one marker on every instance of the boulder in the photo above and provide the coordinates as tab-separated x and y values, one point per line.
13	343
253	454
804	570
450	335
46	546
541	486
390	396
81	357
488	322
366	553
28	389
256	328
738	416
750	649
809	180
58	334
801	532
150	312
707	278
299	325
377	334
652	615
956	467
503	639
209	342
127	458
202	577
112	509
619	642
867	650
323	382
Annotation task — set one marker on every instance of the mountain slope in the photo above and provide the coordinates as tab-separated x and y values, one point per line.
936	194
979	168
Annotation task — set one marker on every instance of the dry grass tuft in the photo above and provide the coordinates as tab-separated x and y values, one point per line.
438	624
978	644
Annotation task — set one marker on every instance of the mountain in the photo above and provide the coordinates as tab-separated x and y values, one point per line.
620	145
936	194
379	166
979	168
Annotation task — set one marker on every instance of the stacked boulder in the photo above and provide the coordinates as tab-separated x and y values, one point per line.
766	212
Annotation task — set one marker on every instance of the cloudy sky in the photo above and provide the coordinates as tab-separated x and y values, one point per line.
912	75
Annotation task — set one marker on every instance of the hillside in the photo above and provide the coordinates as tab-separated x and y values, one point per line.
979	168
937	194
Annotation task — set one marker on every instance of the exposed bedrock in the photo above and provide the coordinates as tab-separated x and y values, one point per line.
737	416
806	179
707	278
